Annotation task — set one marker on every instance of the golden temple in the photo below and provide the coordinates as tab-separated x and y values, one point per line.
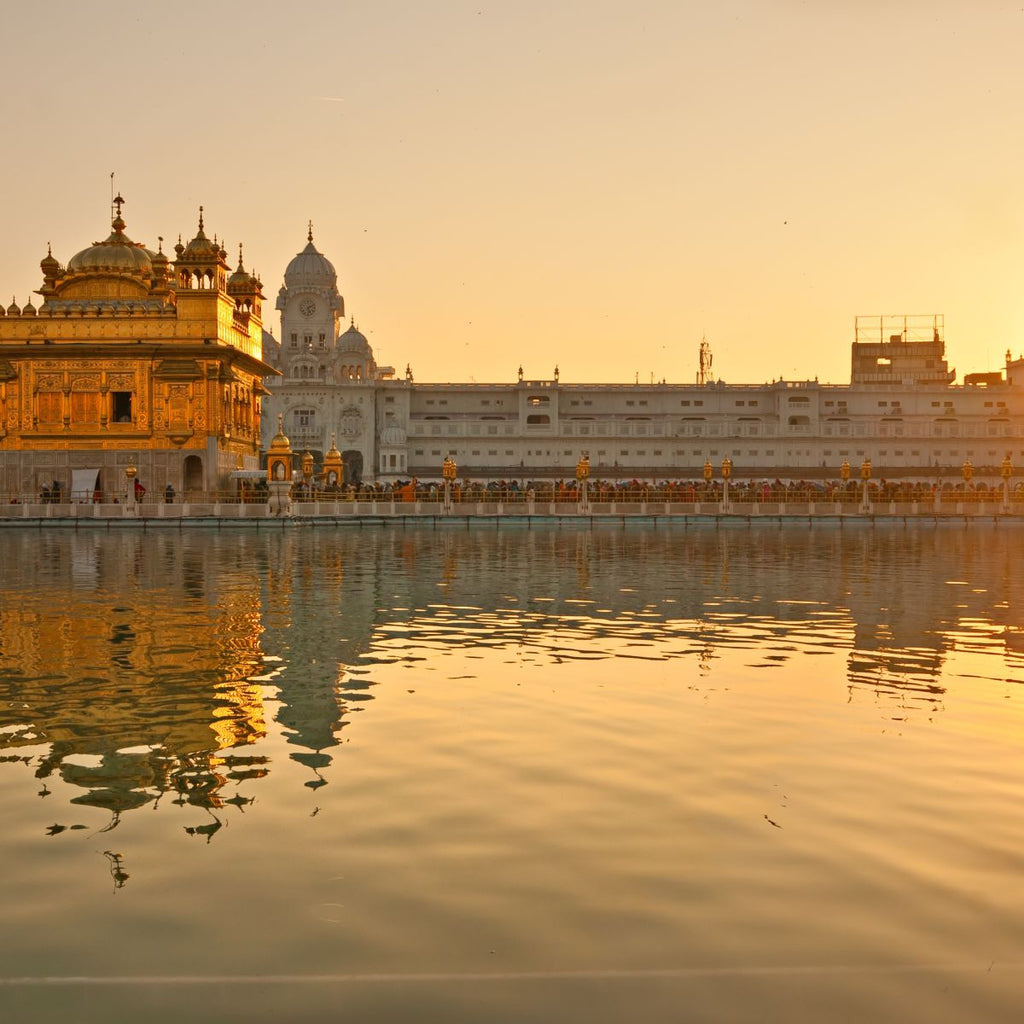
133	358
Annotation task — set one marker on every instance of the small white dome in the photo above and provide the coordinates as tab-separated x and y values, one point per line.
392	434
353	340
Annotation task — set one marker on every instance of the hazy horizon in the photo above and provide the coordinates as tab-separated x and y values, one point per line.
593	185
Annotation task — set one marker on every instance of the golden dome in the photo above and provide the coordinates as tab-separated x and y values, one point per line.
240	281
118	254
200	249
280	443
49	266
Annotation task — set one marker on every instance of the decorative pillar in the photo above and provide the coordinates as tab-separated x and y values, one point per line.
334	469
279	471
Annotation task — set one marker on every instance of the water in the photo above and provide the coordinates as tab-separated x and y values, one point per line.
512	775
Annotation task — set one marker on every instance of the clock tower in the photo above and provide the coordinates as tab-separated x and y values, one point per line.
311	307
331	382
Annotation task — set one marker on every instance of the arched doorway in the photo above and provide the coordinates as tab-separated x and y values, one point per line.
353	466
193	473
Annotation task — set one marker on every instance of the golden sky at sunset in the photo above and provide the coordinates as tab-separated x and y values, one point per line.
594	184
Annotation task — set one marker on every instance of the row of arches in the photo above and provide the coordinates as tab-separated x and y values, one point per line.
304	369
200	280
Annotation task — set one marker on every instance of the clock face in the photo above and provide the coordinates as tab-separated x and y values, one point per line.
307	307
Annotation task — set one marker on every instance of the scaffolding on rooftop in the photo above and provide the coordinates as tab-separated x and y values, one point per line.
899	328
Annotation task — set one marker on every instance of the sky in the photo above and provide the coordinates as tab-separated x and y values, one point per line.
591	184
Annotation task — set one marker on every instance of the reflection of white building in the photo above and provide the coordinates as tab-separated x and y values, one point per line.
901	410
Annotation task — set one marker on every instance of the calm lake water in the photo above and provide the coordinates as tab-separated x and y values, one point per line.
747	774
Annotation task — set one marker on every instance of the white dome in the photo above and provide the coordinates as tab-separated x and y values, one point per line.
392	434
311	269
353	340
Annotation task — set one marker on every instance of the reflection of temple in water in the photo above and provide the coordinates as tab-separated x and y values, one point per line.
130	660
139	661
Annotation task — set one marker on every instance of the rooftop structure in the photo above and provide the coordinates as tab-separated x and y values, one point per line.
900	350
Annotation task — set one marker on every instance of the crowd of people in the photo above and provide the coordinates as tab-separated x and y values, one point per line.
602	491
686	491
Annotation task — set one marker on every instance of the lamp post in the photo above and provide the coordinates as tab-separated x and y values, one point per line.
844	475
967	472
130	472
307	475
726	473
449	471
1006	472
865	475
582	475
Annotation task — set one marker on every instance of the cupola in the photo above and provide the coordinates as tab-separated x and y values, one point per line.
279	455
310	268
116	255
202	263
240	283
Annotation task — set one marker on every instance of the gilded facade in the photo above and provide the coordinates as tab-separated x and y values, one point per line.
132	356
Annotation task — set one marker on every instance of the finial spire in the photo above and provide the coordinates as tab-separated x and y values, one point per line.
309	237
239	255
118	224
200	218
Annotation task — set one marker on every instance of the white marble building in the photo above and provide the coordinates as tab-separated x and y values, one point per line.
902	409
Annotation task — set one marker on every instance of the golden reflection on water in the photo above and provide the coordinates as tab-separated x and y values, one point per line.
506	752
142	664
